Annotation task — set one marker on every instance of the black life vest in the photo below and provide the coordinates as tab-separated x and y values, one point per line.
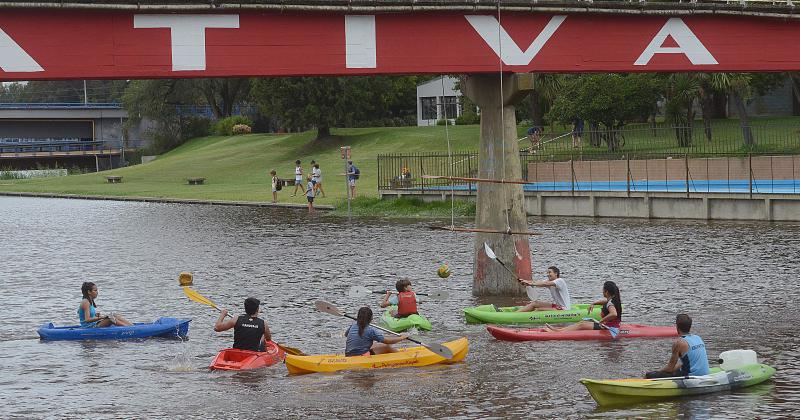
248	332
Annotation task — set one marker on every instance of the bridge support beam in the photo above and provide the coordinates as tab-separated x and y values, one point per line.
499	206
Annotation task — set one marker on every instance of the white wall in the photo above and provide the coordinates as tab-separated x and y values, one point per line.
433	89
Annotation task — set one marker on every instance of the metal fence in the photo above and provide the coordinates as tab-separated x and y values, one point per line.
640	159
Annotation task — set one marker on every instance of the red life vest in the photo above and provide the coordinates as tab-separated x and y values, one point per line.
406	304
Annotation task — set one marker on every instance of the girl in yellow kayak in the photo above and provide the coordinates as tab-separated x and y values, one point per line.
88	315
611	314
363	339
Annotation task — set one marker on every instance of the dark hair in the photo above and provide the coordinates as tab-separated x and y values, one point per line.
313	162
272	172
555	270
401	284
349	162
613	290
363	319
316	165
87	287
297	162
683	322
251	305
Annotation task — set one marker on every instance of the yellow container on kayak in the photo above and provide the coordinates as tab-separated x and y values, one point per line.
411	356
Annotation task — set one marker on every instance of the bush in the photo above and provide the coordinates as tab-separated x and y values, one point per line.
468	119
224	127
242	129
192	127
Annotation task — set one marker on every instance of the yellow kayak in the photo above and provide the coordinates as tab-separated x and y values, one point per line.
411	356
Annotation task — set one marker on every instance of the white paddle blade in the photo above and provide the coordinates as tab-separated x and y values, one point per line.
489	252
438	295
358	292
328	308
530	292
440	350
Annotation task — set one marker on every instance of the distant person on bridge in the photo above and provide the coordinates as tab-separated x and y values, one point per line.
88	315
558	291
298	177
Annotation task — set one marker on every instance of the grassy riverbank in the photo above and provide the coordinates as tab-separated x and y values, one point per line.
237	168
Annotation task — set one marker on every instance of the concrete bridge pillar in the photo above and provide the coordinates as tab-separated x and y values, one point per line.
499	206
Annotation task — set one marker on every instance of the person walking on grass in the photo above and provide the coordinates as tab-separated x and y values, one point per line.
352	175
310	195
298	177
275	185
316	176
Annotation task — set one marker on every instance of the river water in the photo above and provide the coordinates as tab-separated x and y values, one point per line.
739	281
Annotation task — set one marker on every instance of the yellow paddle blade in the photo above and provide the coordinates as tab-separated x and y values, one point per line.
197	297
290	350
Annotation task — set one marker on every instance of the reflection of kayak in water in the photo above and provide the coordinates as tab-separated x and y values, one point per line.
162	327
489	314
630	391
411	356
236	359
401	324
540	334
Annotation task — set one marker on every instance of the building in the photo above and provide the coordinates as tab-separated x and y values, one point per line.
438	99
66	135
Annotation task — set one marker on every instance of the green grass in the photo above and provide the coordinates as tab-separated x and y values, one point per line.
237	168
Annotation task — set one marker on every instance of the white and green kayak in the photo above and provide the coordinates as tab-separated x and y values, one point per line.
401	324
611	392
490	314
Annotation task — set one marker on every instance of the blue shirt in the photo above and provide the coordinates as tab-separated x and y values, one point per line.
92	314
695	361
358	345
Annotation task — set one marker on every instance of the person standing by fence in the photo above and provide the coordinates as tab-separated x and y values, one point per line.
352	175
577	133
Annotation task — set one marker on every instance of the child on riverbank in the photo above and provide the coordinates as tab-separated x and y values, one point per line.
275	185
310	195
316	175
298	177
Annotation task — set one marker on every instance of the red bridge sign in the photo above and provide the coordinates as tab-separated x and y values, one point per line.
103	44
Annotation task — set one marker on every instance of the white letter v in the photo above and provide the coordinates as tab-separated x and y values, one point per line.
496	36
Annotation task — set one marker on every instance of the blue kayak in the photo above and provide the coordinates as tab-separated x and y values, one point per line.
162	327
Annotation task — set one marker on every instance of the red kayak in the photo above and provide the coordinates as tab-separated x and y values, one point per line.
540	334
235	359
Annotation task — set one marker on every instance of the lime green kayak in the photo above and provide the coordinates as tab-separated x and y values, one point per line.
402	324
488	314
630	391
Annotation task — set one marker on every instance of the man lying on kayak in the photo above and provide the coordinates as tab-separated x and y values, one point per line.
558	290
406	299
689	356
249	331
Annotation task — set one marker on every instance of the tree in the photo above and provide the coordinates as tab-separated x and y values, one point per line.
546	87
222	94
611	100
681	91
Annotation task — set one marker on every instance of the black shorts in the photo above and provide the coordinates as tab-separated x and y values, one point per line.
310	199
597	326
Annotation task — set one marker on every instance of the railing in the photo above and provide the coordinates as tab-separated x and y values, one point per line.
60	105
55	146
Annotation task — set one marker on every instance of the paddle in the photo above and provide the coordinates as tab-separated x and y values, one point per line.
361	291
197	297
439	349
489	253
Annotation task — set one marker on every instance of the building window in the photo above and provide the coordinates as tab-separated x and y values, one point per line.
428	108
450	104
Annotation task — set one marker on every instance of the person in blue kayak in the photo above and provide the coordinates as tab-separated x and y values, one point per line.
558	291
610	315
689	356
405	299
249	331
88	315
364	339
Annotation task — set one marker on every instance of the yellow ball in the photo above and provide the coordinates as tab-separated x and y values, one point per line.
444	271
185	279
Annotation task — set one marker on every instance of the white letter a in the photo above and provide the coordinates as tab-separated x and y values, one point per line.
688	44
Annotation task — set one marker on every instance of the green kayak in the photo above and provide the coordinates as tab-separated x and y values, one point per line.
489	314
402	324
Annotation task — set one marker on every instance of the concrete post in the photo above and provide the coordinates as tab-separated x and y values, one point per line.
499	206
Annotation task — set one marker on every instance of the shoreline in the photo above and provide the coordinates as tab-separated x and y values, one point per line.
325	207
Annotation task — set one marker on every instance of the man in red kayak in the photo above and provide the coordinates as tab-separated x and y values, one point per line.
558	291
249	331
689	356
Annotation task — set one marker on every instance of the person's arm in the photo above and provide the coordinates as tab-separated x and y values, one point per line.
601	301
393	339
267	333
222	324
672	365
385	301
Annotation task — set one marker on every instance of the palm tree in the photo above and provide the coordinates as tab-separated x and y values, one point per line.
546	87
681	91
738	86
